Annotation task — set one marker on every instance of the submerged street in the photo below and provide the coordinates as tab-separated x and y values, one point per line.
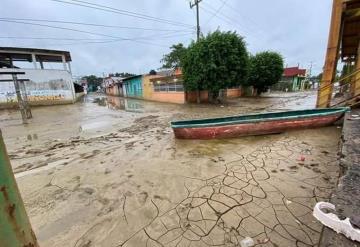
107	171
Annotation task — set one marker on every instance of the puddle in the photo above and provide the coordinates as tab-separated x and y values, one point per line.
117	103
94	126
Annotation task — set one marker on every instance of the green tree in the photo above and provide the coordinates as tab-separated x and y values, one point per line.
219	60
173	59
122	74
266	69
93	82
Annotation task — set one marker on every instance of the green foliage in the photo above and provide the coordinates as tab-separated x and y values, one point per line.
173	59
93	81
122	74
266	69
217	61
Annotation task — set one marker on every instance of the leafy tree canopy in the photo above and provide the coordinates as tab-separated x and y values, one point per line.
266	69
217	61
173	59
93	80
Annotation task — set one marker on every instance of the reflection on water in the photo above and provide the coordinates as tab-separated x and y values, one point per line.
117	103
100	101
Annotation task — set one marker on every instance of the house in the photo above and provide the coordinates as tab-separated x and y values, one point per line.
162	86
165	86
293	79
48	71
132	86
113	85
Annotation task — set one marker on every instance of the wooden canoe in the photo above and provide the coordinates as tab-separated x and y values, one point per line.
256	124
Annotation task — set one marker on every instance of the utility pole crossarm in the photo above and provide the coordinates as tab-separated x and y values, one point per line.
195	3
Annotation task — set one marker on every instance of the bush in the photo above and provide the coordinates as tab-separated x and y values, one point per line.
266	69
219	60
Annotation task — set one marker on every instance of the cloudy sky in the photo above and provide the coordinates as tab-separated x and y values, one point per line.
132	36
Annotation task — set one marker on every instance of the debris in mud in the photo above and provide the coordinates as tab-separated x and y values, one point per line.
247	242
89	190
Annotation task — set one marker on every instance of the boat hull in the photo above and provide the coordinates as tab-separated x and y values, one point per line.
259	128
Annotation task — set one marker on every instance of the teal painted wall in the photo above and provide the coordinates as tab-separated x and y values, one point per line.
134	87
297	83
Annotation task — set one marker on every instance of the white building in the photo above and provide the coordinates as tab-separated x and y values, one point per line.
49	72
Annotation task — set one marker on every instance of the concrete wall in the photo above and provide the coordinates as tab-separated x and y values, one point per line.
191	97
124	90
78	96
46	87
234	93
148	88
170	97
115	90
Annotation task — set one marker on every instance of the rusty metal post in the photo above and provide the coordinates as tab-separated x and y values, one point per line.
15	227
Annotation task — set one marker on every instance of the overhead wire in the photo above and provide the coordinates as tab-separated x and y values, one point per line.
113	38
208	8
58	27
246	18
216	12
92	24
136	40
121	12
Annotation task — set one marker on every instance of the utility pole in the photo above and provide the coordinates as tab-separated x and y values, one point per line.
196	3
310	70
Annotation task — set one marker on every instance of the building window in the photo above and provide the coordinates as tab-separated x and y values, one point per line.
160	86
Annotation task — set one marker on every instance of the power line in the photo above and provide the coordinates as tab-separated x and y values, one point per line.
121	12
49	38
99	41
217	11
92	24
96	40
221	16
58	27
115	38
229	20
246	18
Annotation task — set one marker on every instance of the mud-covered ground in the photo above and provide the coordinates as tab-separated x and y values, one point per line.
108	172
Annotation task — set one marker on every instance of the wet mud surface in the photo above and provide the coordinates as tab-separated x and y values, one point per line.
108	172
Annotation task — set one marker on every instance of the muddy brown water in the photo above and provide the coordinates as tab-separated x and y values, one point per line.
107	171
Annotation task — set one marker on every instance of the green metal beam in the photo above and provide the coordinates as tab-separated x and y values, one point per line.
15	227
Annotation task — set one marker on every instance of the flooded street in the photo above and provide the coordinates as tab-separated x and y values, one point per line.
107	171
